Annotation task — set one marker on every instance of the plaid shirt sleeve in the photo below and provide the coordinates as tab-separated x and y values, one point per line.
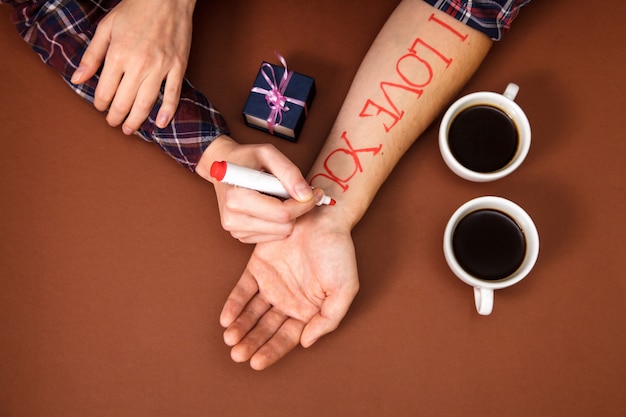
492	17
60	30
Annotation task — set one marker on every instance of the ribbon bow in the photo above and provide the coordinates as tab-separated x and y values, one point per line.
275	96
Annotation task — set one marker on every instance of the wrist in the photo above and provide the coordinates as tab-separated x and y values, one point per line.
350	204
189	3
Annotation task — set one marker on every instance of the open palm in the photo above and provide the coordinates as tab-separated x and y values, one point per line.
292	291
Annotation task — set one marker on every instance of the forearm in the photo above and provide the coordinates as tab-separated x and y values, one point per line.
418	62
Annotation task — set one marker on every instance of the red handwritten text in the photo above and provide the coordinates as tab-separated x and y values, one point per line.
416	71
337	157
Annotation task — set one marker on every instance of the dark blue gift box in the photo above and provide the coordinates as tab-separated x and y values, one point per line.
279	104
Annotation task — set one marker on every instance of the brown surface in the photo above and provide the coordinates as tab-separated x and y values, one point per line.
114	267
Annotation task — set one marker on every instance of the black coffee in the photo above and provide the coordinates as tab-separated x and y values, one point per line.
483	138
489	244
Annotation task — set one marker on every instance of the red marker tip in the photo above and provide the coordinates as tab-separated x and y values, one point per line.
332	202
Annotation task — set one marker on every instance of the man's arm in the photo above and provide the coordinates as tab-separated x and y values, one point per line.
299	289
418	62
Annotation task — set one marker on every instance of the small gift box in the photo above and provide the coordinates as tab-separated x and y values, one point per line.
279	100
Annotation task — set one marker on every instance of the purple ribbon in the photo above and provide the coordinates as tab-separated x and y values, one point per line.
275	96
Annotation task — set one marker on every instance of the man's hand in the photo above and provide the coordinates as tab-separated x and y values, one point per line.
141	43
293	291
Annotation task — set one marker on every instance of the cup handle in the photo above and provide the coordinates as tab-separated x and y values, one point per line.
511	91
484	300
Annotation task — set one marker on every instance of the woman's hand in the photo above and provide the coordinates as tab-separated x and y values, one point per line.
141	43
250	216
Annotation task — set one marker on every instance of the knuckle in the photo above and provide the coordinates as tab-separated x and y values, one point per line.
284	230
232	205
143	104
288	231
142	60
101	100
228	224
115	58
265	150
118	107
284	217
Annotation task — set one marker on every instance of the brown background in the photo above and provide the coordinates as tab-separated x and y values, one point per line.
114	267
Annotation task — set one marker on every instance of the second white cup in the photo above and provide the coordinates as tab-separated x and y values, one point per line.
490	243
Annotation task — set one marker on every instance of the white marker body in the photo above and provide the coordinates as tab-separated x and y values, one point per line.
254	180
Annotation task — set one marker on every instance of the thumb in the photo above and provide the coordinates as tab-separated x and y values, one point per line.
333	310
93	57
289	175
302	191
291	178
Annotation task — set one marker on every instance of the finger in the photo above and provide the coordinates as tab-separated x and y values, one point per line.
332	311
243	210
287	172
108	83
244	226
252	217
246	321
250	229
93	57
123	100
142	106
239	297
171	97
256	205
263	331
283	341
256	238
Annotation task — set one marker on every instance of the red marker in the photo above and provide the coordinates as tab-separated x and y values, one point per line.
252	179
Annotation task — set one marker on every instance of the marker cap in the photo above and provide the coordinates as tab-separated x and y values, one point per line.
218	170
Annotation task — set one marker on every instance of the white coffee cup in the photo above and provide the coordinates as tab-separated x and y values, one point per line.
484	288
506	104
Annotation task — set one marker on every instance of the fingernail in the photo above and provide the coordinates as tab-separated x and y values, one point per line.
304	191
162	120
127	130
77	74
